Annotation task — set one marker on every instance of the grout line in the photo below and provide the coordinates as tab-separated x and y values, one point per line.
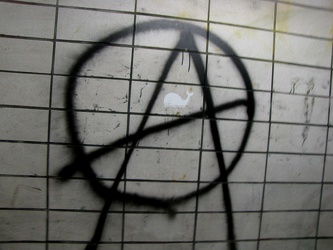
156	115
325	156
202	129
189	212
128	122
164	148
234	182
269	132
49	125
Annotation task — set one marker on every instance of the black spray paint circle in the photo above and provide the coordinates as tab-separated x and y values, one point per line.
83	161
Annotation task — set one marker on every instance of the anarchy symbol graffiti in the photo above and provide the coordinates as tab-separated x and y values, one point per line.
83	160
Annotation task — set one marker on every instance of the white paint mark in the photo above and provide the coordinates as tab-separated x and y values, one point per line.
173	100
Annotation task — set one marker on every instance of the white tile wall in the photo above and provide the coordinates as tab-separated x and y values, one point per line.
17	55
22	225
21	89
288	245
80	25
252	13
240	38
68	226
175	8
294	168
295	79
288	224
30	20
299	50
32	160
290	18
125	5
146	227
280	188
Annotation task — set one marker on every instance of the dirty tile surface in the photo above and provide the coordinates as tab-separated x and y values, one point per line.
182	124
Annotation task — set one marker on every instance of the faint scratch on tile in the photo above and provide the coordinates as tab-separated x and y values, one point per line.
18	188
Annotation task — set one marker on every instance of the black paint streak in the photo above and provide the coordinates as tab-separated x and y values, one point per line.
83	160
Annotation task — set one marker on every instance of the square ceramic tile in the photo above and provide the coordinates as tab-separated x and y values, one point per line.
301	80
80	226
26	246
147	227
40	1
22	225
213	226
22	192
244	197
106	166
300	109
223	72
23	124
151	64
172	99
125	5
24	89
302	50
297	138
64	195
177	8
89	25
325	224
60	156
93	128
73	246
294	168
30	20
262	104
288	224
324	244
245	42
251	13
162	190
329	169
175	165
93	94
103	64
250	167
319	3
154	34
292	196
223	96
326	201
287	244
231	133
241	245
186	136
290	18
31	160
164	246
25	55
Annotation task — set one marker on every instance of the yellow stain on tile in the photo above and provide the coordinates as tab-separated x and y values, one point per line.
183	14
238	34
283	16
